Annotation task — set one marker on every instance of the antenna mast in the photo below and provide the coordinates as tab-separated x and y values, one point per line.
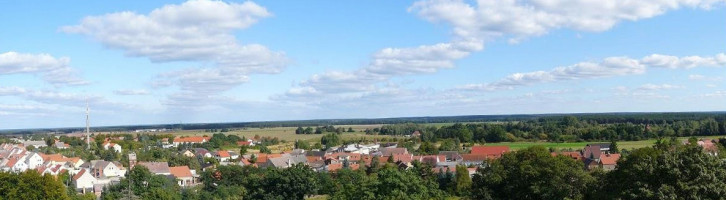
88	128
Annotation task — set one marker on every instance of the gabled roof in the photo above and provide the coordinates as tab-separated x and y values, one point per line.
180	171
156	167
572	154
495	151
393	151
79	174
609	159
11	162
191	139
223	154
474	157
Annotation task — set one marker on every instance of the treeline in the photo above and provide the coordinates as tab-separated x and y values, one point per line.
636	118
322	129
567	128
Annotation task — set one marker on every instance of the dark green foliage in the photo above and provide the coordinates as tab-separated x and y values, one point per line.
330	140
388	183
677	172
31	185
532	173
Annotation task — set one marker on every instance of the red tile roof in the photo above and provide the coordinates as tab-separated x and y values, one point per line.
572	154
495	151
180	171
79	174
609	159
192	139
475	157
243	143
223	154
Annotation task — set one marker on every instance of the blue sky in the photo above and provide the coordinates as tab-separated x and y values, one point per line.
227	61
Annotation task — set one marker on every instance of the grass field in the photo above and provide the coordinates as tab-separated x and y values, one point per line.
579	145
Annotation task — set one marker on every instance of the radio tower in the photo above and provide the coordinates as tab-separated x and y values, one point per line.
88	129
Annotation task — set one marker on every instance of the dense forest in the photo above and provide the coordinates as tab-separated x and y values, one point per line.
568	128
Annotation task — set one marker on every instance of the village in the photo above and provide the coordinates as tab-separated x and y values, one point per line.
92	176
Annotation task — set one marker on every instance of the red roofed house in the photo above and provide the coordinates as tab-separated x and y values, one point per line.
245	143
489	151
572	154
190	140
222	156
184	175
609	161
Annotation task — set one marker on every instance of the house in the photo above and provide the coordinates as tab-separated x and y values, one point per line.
285	161
36	144
609	161
61	145
432	160
190	140
15	164
246	143
187	153
84	181
222	156
592	152
393	151
604	147
474	159
416	134
103	169
709	147
113	146
185	177
572	154
490	151
33	160
201	152
451	156
157	168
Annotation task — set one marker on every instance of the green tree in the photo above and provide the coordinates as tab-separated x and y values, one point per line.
302	144
427	148
31	185
243	149
330	140
614	147
264	149
531	173
463	181
682	172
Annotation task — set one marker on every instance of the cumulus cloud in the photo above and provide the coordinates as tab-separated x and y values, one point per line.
525	18
651	87
487	20
53	70
197	30
62	98
131	92
674	62
609	67
715	94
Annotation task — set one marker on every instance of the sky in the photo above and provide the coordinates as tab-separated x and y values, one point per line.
201	61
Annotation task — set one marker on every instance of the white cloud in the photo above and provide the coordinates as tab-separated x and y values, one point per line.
131	92
197	30
698	77
53	70
609	67
659	87
520	19
674	62
715	94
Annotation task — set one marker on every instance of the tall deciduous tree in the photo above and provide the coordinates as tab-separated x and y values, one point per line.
531	173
